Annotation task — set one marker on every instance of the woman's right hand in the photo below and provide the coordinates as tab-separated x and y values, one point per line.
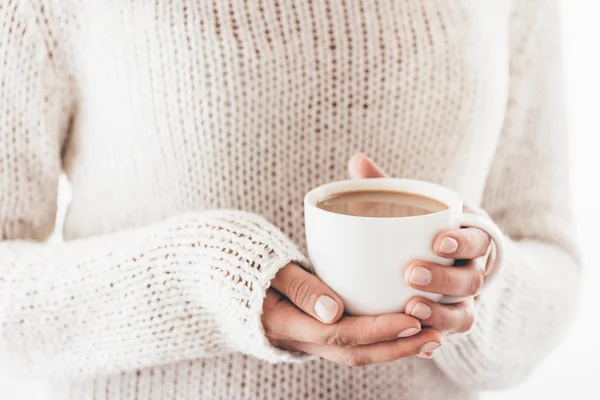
303	314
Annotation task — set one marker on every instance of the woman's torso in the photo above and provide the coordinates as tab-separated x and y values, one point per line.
248	105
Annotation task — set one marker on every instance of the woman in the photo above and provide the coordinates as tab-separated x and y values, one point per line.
168	116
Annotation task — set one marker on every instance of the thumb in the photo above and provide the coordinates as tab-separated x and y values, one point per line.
308	293
361	166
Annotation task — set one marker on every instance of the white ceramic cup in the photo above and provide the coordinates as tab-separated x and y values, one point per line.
363	258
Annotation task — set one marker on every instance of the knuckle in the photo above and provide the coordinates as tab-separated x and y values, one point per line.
439	321
377	325
299	291
354	359
336	338
476	281
402	352
468	318
444	280
467	243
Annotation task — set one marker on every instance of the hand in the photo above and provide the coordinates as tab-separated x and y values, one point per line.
470	246
303	314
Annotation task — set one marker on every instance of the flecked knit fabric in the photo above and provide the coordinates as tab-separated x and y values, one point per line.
190	131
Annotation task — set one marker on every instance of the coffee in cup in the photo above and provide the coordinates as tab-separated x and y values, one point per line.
362	234
380	204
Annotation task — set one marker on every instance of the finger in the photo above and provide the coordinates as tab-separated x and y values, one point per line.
464	243
458	317
308	293
382	352
442	279
353	331
278	311
361	166
282	320
350	331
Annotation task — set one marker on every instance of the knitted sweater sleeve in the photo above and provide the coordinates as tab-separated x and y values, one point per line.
188	287
527	310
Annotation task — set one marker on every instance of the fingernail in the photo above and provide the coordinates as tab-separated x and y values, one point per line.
449	245
420	276
409	332
326	308
421	311
425	355
431	346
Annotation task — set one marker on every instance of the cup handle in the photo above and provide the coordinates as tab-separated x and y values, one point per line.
476	221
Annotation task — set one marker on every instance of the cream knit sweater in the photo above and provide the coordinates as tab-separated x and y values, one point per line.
168	115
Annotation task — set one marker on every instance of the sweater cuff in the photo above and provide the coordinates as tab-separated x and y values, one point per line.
521	315
246	330
255	251
465	356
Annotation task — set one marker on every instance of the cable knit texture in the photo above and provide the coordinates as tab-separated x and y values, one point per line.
167	116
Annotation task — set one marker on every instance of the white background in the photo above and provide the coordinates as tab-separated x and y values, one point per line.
572	370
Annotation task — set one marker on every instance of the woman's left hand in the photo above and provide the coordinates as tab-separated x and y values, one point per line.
469	246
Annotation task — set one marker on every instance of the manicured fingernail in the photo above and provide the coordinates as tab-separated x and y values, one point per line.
448	246
431	346
425	355
326	308
421	311
420	276
409	332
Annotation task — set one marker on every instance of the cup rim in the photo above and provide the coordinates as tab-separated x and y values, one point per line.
311	198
